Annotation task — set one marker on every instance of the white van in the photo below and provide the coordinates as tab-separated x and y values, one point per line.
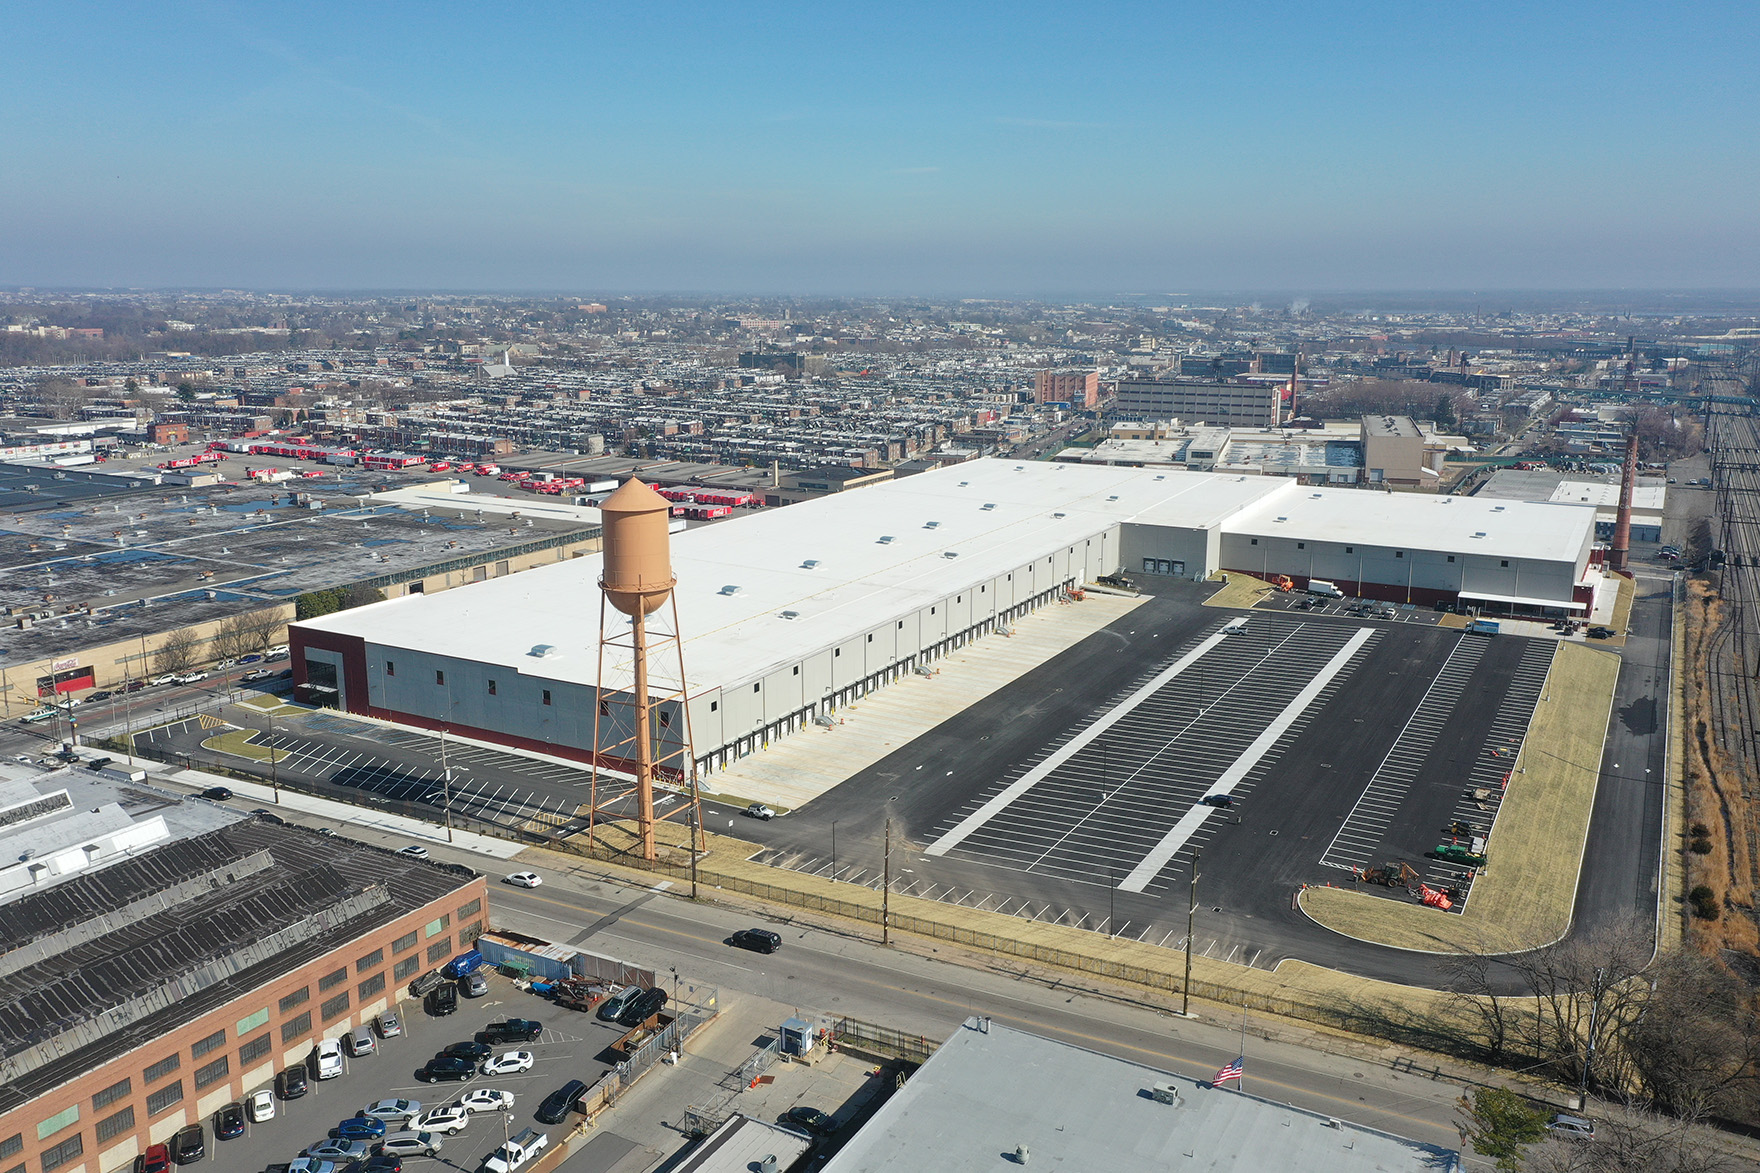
1327	590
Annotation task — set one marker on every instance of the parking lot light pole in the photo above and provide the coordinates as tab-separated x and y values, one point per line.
834	850
274	762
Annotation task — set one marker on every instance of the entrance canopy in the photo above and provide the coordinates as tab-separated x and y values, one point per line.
1519	601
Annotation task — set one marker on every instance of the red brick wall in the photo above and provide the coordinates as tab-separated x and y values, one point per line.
242	1077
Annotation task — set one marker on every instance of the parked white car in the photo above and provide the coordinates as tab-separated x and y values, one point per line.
261	1106
509	1063
329	1059
446	1120
525	879
486	1099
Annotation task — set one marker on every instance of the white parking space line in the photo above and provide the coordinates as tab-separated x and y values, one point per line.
1175	839
1033	777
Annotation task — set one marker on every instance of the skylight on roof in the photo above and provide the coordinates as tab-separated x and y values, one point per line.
789	615
731	588
886	539
810	564
931	525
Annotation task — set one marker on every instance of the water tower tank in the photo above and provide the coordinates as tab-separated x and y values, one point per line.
638	550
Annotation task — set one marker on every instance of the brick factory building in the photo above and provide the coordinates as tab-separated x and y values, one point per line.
164	956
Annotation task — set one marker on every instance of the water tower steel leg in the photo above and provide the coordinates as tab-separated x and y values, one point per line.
644	740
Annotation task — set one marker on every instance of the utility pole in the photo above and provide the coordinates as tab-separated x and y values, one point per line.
834	850
886	889
1589	1055
693	848
1111	887
1185	994
274	766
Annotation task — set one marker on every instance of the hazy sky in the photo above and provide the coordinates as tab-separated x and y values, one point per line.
1062	148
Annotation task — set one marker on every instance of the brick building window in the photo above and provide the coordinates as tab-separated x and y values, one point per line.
212	1072
297	998
295	1027
112	1093
363	964
435	927
202	1046
471	909
437	952
333	979
53	1124
163	1067
370	987
252	1051
407	941
67	1150
166	1096
335	1007
115	1125
12	1145
405	967
250	1022
471	931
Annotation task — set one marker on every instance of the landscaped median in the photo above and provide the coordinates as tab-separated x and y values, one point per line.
238	742
1522	898
1240	591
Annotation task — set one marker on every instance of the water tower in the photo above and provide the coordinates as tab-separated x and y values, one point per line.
641	724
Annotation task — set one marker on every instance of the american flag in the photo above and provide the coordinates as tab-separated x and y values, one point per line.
1231	1072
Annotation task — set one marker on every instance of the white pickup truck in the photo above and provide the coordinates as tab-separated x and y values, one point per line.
517	1152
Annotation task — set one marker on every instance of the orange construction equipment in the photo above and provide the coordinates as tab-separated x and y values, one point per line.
1282	582
1434	898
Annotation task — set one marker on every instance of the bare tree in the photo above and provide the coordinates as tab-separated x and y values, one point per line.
1584	993
1629	1139
261	629
177	653
230	637
1695	1047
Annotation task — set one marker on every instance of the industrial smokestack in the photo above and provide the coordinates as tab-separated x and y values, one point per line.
637	580
1622	525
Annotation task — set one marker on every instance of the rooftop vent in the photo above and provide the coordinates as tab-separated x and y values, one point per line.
810	564
1281	519
989	505
1020	468
963	484
1315	496
1497	509
1480	534
731	589
1114	497
886	539
950	553
931	525
1060	515
1160	478
542	651
790	615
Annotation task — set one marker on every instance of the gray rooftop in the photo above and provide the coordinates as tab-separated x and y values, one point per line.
989	1090
116	955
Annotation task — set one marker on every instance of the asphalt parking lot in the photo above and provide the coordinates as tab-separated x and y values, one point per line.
1075	795
568	1049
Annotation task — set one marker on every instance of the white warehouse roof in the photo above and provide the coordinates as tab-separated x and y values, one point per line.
1420	521
841	563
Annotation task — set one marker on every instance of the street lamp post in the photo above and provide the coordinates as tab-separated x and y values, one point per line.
834	850
275	762
1185	994
446	776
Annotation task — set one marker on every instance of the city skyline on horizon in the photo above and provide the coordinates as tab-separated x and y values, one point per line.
915	151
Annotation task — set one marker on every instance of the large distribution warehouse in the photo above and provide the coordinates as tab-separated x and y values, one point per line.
789	613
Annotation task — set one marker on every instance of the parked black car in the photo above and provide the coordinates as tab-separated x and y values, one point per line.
477	1051
757	940
641	1006
514	1030
189	1145
811	1119
558	1102
229	1122
443	1000
447	1067
291	1083
218	793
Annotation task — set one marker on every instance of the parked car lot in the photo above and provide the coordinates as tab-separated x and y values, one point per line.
384	1086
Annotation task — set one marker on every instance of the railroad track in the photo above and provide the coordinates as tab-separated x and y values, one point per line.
1732	663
